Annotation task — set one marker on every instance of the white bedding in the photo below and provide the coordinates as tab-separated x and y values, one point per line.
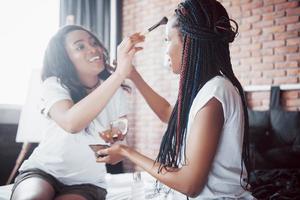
119	188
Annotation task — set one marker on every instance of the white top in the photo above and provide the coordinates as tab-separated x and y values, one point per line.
67	156
224	176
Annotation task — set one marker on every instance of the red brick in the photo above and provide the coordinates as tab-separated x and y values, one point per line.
253	60
253	32
287	49
246	13
273	44
292	102
262	38
259	95
293	11
242	68
292	109
286	5
286	35
273	15
252	19
261	81
245	54
290	95
267	52
286	64
293	72
293	41
244	81
293	57
267	9
268	2
284	80
244	27
257	11
254	103
274	29
291	27
234	48
263	23
244	41
255	46
254	74
274	73
252	5
262	66
273	58
287	20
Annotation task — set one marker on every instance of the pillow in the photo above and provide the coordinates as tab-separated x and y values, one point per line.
259	129
284	157
286	126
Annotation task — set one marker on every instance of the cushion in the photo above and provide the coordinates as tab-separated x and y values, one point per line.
284	157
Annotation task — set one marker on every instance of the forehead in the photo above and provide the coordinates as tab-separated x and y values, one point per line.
76	35
170	29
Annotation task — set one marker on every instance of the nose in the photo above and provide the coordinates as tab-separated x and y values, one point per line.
92	49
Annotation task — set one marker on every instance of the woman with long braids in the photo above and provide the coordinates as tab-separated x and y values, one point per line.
80	97
204	152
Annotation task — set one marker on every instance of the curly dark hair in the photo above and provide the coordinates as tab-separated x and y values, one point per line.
57	63
206	32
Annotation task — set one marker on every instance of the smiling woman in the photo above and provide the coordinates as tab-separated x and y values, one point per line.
26	27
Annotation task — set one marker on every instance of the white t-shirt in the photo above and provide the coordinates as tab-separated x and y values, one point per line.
224	177
67	156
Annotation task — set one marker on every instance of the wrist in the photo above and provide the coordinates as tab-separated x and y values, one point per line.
125	151
120	75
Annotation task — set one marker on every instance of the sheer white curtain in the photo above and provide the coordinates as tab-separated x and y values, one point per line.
26	27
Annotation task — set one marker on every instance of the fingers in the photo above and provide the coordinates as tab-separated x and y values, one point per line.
129	43
112	135
134	50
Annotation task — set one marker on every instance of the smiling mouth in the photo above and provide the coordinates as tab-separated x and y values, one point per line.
94	58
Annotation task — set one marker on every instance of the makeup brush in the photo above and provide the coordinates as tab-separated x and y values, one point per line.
163	21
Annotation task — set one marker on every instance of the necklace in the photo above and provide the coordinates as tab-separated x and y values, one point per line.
93	87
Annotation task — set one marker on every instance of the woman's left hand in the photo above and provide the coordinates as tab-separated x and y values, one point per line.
112	135
111	155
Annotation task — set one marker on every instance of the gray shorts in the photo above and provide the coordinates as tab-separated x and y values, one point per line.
88	191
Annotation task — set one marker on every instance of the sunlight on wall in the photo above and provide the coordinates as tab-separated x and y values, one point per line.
26	27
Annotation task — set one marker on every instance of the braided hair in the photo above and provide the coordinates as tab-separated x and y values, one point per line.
206	33
57	63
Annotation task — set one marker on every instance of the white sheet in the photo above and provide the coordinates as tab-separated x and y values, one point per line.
119	188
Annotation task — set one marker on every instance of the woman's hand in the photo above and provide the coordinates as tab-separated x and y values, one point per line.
133	74
126	51
112	135
111	155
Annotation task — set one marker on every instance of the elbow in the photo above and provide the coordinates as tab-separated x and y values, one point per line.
193	193
72	127
193	190
164	115
163	118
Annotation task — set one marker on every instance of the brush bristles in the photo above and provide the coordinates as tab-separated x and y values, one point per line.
163	21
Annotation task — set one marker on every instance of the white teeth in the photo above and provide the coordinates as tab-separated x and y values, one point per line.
94	58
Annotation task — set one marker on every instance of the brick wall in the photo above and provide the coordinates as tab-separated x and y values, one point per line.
265	52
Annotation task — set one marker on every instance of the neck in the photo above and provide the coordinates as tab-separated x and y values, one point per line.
92	87
90	82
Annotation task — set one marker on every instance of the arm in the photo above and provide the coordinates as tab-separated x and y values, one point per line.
157	103
200	151
75	117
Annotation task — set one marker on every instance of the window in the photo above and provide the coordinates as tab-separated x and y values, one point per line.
26	27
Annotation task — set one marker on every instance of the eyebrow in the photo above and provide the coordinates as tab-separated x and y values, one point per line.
81	40
77	41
